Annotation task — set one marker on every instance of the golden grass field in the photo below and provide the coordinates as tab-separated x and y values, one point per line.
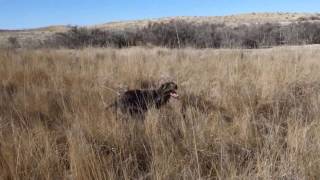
53	122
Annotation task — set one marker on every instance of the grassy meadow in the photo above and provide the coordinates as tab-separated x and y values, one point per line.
54	125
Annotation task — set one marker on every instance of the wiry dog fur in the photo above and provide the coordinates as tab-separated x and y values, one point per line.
137	102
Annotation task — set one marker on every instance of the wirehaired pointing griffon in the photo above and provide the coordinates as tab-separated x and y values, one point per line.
137	102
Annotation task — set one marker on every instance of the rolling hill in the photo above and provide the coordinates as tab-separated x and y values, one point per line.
39	35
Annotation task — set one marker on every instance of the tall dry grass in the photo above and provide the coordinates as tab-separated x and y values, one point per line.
53	124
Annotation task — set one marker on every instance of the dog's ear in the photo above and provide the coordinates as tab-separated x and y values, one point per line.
161	82
162	87
164	78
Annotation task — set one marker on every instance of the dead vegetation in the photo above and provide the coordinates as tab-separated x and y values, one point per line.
254	30
243	114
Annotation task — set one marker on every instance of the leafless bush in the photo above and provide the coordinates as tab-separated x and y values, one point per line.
178	34
14	42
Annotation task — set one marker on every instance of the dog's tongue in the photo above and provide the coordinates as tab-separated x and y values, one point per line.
174	95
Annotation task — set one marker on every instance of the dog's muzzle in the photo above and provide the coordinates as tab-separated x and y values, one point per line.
174	94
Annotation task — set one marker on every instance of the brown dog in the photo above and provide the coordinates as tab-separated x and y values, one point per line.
137	102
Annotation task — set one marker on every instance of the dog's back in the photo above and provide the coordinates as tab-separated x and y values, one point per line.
137	101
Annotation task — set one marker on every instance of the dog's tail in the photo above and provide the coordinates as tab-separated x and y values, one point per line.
114	91
114	104
111	105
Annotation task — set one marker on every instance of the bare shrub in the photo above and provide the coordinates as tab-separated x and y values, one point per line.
179	34
14	42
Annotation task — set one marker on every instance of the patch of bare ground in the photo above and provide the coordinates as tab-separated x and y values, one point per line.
231	20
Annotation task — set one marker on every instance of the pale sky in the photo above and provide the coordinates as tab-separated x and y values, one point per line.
17	14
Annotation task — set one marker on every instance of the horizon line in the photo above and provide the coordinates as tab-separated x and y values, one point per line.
151	18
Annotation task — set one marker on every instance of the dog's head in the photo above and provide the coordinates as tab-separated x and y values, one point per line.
169	89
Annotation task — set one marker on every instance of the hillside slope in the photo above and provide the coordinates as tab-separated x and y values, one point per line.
39	35
232	20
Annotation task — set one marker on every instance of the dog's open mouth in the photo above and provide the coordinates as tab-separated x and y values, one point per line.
174	94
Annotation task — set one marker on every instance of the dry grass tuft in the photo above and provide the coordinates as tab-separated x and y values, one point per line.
243	114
